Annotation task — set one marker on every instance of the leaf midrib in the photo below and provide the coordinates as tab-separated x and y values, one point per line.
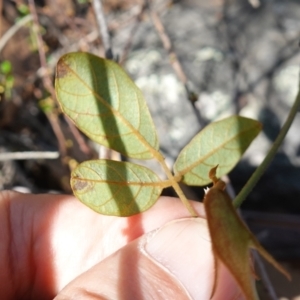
211	153
160	183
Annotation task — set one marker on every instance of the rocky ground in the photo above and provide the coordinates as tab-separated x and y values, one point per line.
234	57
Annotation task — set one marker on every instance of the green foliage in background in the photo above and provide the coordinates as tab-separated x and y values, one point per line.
6	79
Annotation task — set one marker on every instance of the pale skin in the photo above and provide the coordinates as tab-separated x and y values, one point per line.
52	246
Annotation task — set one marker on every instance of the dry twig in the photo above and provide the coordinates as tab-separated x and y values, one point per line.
176	65
264	276
263	273
53	119
46	78
168	46
29	155
138	19
103	30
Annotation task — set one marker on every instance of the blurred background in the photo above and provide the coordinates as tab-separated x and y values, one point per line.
196	61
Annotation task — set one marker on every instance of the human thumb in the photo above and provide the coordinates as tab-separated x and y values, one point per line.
172	262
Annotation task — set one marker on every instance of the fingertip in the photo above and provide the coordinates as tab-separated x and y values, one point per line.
173	262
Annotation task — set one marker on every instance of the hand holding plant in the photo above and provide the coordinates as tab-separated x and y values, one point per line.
52	245
107	106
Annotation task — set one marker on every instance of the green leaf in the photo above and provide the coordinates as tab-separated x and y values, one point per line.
105	104
116	188
23	9
220	143
6	67
231	239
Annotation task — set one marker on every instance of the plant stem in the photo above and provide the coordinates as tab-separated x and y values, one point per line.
262	168
176	186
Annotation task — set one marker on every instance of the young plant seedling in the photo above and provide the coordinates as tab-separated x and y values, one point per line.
109	108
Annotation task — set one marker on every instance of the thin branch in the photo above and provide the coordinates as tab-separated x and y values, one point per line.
266	162
29	155
40	44
264	276
103	30
53	119
81	142
176	65
91	37
138	20
168	46
46	78
12	30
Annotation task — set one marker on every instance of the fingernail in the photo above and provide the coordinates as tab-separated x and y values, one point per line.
183	247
